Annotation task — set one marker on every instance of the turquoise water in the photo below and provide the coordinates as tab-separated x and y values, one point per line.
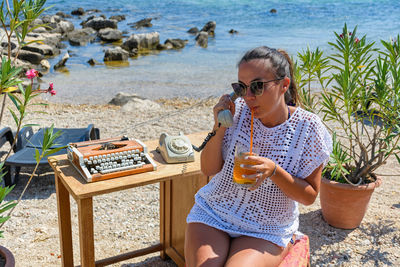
199	72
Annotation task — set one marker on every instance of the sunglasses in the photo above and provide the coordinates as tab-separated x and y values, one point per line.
256	87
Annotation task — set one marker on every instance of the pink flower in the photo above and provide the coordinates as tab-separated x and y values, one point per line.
32	73
51	87
341	35
53	92
357	40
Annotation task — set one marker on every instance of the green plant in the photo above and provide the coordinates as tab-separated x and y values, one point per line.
16	22
362	101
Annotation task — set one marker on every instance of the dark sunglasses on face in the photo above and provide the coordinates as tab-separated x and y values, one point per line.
256	87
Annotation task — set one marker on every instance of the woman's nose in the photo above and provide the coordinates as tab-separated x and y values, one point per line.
249	93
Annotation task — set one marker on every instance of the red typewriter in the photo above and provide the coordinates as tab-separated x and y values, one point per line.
103	159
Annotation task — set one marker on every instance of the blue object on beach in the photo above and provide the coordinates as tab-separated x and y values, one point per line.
28	142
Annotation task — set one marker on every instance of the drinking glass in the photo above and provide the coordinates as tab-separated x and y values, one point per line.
241	151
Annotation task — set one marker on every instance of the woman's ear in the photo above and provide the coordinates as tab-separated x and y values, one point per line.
285	84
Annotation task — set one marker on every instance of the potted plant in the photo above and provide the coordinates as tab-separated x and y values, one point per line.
360	96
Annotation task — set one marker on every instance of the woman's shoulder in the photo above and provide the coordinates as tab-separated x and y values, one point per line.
307	118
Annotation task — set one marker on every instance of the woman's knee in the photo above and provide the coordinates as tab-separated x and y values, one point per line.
205	245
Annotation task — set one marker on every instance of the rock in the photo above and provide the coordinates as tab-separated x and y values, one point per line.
31	57
81	37
66	26
209	27
193	30
176	43
37	22
110	35
45	64
40	30
62	62
118	17
273	10
140	41
132	102
122	98
46	19
202	39
101	23
163	47
63	15
141	23
94	10
55	19
140	104
114	54
232	31
52	39
13	45
78	12
87	19
93	62
43	49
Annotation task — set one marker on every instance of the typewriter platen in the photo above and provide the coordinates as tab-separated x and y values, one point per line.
110	158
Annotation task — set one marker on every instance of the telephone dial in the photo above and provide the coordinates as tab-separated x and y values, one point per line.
175	149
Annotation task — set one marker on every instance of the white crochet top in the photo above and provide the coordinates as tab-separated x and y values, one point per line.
299	145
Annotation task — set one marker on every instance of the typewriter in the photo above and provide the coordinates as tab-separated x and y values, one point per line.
103	159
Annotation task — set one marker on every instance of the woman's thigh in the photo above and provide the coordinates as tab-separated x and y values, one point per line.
205	245
251	251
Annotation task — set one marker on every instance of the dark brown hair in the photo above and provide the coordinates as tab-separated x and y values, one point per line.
281	65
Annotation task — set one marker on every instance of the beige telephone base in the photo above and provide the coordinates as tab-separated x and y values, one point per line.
175	149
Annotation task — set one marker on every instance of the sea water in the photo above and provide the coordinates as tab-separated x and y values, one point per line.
201	72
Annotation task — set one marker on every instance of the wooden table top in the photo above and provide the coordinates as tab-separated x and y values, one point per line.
79	188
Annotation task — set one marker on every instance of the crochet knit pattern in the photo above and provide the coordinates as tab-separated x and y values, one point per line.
299	145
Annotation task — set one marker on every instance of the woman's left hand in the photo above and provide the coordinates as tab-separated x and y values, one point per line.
263	168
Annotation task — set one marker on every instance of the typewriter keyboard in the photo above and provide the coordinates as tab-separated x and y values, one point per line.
114	162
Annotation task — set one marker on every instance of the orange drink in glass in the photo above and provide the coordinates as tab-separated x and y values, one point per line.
240	153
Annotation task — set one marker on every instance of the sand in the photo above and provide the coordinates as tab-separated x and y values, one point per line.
128	220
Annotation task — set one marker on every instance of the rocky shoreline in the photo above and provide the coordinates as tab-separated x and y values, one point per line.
51	33
128	220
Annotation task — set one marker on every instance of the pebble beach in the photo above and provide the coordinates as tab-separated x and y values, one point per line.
128	220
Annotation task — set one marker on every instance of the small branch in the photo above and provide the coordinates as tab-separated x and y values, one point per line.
3	105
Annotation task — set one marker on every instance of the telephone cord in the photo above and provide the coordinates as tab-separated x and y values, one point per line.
208	137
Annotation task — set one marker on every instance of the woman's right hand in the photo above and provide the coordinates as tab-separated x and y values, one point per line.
224	102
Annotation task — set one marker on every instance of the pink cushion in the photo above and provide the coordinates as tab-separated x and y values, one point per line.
299	254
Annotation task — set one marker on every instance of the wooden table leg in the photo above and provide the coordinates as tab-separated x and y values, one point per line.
162	219
64	223
86	234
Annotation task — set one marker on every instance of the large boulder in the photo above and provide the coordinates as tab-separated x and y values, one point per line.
142	41
62	62
118	17
31	57
43	49
110	35
81	37
66	26
176	43
101	23
202	39
209	27
141	23
133	102
78	12
116	54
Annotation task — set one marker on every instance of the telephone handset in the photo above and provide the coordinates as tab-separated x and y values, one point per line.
225	116
175	149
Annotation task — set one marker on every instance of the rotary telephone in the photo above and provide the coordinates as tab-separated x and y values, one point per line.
175	149
178	149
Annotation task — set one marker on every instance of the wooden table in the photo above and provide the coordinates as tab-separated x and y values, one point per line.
178	184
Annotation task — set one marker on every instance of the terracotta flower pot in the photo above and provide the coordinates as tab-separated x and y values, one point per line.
8	256
343	205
